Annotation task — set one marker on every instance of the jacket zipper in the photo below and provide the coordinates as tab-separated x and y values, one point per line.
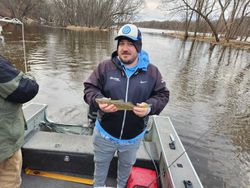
125	111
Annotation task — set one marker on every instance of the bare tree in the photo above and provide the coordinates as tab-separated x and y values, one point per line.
239	11
202	9
205	13
188	20
221	22
95	13
21	8
177	8
65	11
200	4
222	16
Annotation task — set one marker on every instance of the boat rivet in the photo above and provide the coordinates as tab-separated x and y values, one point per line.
58	145
179	165
66	158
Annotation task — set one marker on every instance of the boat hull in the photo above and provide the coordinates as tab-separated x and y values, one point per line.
69	153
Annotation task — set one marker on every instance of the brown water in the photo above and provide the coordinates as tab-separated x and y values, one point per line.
209	103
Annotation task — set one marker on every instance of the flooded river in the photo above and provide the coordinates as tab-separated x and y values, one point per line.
209	85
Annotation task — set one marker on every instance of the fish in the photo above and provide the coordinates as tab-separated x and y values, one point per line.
120	104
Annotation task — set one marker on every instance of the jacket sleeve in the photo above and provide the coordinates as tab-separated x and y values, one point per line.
160	95
93	86
15	86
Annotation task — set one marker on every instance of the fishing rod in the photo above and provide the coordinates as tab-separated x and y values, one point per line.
18	22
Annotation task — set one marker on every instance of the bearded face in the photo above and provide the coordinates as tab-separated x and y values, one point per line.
127	52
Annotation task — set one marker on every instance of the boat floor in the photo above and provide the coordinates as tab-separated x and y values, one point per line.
30	181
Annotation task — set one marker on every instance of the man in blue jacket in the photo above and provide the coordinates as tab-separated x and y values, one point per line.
16	88
129	76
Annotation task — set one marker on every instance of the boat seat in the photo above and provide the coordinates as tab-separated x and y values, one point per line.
59	142
73	153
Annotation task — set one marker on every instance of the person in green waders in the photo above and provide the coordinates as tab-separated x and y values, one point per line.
16	88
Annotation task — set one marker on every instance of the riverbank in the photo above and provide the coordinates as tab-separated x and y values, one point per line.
80	28
232	43
237	44
75	28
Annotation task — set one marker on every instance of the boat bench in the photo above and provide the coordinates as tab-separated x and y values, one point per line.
69	153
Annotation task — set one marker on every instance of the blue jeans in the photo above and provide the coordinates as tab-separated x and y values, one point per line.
104	151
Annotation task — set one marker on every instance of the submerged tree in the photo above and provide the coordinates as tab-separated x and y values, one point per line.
223	17
237	12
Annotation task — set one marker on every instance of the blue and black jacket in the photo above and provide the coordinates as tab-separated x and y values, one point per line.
110	80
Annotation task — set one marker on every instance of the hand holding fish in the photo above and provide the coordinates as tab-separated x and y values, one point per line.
107	107
142	109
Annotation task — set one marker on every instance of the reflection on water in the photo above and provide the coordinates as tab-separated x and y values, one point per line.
210	97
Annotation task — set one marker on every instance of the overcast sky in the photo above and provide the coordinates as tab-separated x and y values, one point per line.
151	11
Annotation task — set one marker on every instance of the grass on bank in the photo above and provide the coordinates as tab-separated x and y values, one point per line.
231	43
80	28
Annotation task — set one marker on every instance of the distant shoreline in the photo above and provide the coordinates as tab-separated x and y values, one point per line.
176	34
80	28
232	43
76	28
